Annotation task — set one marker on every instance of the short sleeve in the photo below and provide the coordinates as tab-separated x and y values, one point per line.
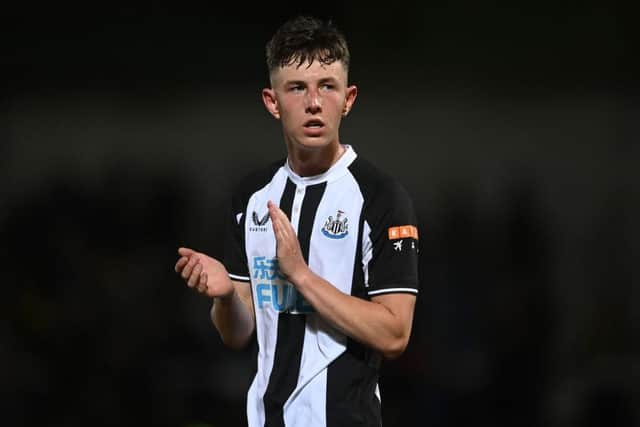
390	243
235	256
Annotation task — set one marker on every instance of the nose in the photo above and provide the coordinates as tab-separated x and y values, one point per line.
313	101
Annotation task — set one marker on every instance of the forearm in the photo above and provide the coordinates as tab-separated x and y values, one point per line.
383	324
233	319
370	323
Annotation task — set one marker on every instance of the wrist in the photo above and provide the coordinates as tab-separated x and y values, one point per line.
301	277
226	298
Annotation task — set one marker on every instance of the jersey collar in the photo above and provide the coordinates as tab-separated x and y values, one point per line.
337	170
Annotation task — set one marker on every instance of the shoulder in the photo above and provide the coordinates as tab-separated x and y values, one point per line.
255	180
376	185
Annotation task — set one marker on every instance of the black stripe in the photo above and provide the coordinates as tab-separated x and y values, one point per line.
288	352
312	198
286	201
357	283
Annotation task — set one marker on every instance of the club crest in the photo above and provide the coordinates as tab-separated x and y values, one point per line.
336	228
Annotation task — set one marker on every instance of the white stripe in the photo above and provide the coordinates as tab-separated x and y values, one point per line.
263	244
367	251
296	207
390	290
245	278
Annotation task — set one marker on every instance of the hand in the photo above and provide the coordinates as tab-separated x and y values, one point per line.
290	259
203	273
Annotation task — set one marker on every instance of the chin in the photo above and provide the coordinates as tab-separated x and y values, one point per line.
307	143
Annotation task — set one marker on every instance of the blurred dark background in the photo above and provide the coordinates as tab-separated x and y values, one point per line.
514	128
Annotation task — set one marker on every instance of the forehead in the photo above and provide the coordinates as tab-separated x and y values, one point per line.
309	72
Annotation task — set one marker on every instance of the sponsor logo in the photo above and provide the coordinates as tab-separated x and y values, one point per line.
403	232
259	223
273	291
336	228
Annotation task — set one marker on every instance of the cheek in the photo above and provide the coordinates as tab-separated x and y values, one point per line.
291	107
336	105
285	110
285	102
290	115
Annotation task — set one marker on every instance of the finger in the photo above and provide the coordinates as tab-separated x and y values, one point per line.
277	229
274	221
282	228
181	263
275	211
281	217
186	272
285	230
282	233
186	252
276	217
203	279
194	279
202	287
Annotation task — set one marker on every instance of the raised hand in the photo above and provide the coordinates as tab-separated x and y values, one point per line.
204	274
290	259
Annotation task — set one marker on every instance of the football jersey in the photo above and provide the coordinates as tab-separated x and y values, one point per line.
357	230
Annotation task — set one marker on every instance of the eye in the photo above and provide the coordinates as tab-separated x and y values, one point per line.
327	86
296	88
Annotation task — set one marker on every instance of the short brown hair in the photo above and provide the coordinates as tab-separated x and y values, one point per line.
306	38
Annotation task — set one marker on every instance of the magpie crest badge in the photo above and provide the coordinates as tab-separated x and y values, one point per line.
336	228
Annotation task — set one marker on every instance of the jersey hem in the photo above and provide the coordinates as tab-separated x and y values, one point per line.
393	291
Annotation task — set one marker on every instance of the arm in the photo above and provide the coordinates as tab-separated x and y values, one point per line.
383	323
233	316
232	310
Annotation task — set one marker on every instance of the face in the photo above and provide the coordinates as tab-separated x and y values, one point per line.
310	100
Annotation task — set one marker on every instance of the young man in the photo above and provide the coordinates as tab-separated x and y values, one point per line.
321	254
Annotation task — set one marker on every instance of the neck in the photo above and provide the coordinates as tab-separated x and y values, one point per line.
314	162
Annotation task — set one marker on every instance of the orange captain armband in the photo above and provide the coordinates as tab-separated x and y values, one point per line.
403	232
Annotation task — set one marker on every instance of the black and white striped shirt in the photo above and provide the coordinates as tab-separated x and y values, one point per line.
357	230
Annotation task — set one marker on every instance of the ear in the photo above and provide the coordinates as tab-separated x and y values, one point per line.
352	93
270	102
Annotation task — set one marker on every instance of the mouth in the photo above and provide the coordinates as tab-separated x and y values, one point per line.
314	124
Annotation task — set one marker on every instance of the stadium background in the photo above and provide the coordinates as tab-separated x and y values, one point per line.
512	126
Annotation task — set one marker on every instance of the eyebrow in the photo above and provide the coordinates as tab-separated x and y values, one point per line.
294	82
328	80
302	82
